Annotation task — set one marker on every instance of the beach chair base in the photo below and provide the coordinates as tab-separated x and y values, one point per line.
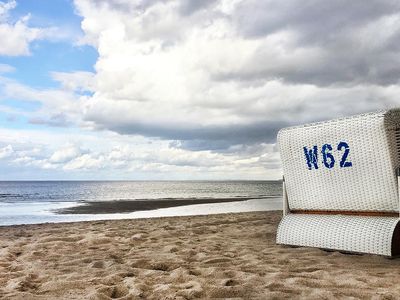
357	234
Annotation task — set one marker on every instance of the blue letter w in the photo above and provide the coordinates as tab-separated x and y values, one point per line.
311	157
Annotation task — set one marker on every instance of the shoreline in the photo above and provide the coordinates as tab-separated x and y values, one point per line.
36	214
127	206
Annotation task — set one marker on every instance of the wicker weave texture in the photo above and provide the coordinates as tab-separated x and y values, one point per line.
370	184
349	233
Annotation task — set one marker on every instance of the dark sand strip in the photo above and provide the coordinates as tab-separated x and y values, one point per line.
127	206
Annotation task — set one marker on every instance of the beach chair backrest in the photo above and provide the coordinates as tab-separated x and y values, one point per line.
347	164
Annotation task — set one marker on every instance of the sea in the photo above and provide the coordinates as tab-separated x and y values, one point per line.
31	202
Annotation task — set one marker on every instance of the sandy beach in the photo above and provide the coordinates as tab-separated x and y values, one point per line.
216	256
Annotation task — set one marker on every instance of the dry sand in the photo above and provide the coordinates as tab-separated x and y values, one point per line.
216	256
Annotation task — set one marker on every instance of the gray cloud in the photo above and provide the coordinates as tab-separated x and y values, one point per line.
348	67
353	43
216	138
233	75
189	7
316	21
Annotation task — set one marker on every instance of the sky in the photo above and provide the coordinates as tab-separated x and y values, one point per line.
180	89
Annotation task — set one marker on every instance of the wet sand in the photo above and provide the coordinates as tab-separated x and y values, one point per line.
125	206
209	257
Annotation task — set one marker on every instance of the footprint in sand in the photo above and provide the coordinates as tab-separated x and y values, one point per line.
230	282
160	266
98	264
171	249
28	283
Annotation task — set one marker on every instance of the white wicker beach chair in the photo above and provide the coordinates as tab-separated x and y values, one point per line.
341	185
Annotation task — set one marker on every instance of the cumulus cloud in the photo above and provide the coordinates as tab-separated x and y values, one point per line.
79	81
6	152
65	154
88	157
54	107
205	85
213	74
86	161
17	35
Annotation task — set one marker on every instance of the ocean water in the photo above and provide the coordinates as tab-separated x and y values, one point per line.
27	202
